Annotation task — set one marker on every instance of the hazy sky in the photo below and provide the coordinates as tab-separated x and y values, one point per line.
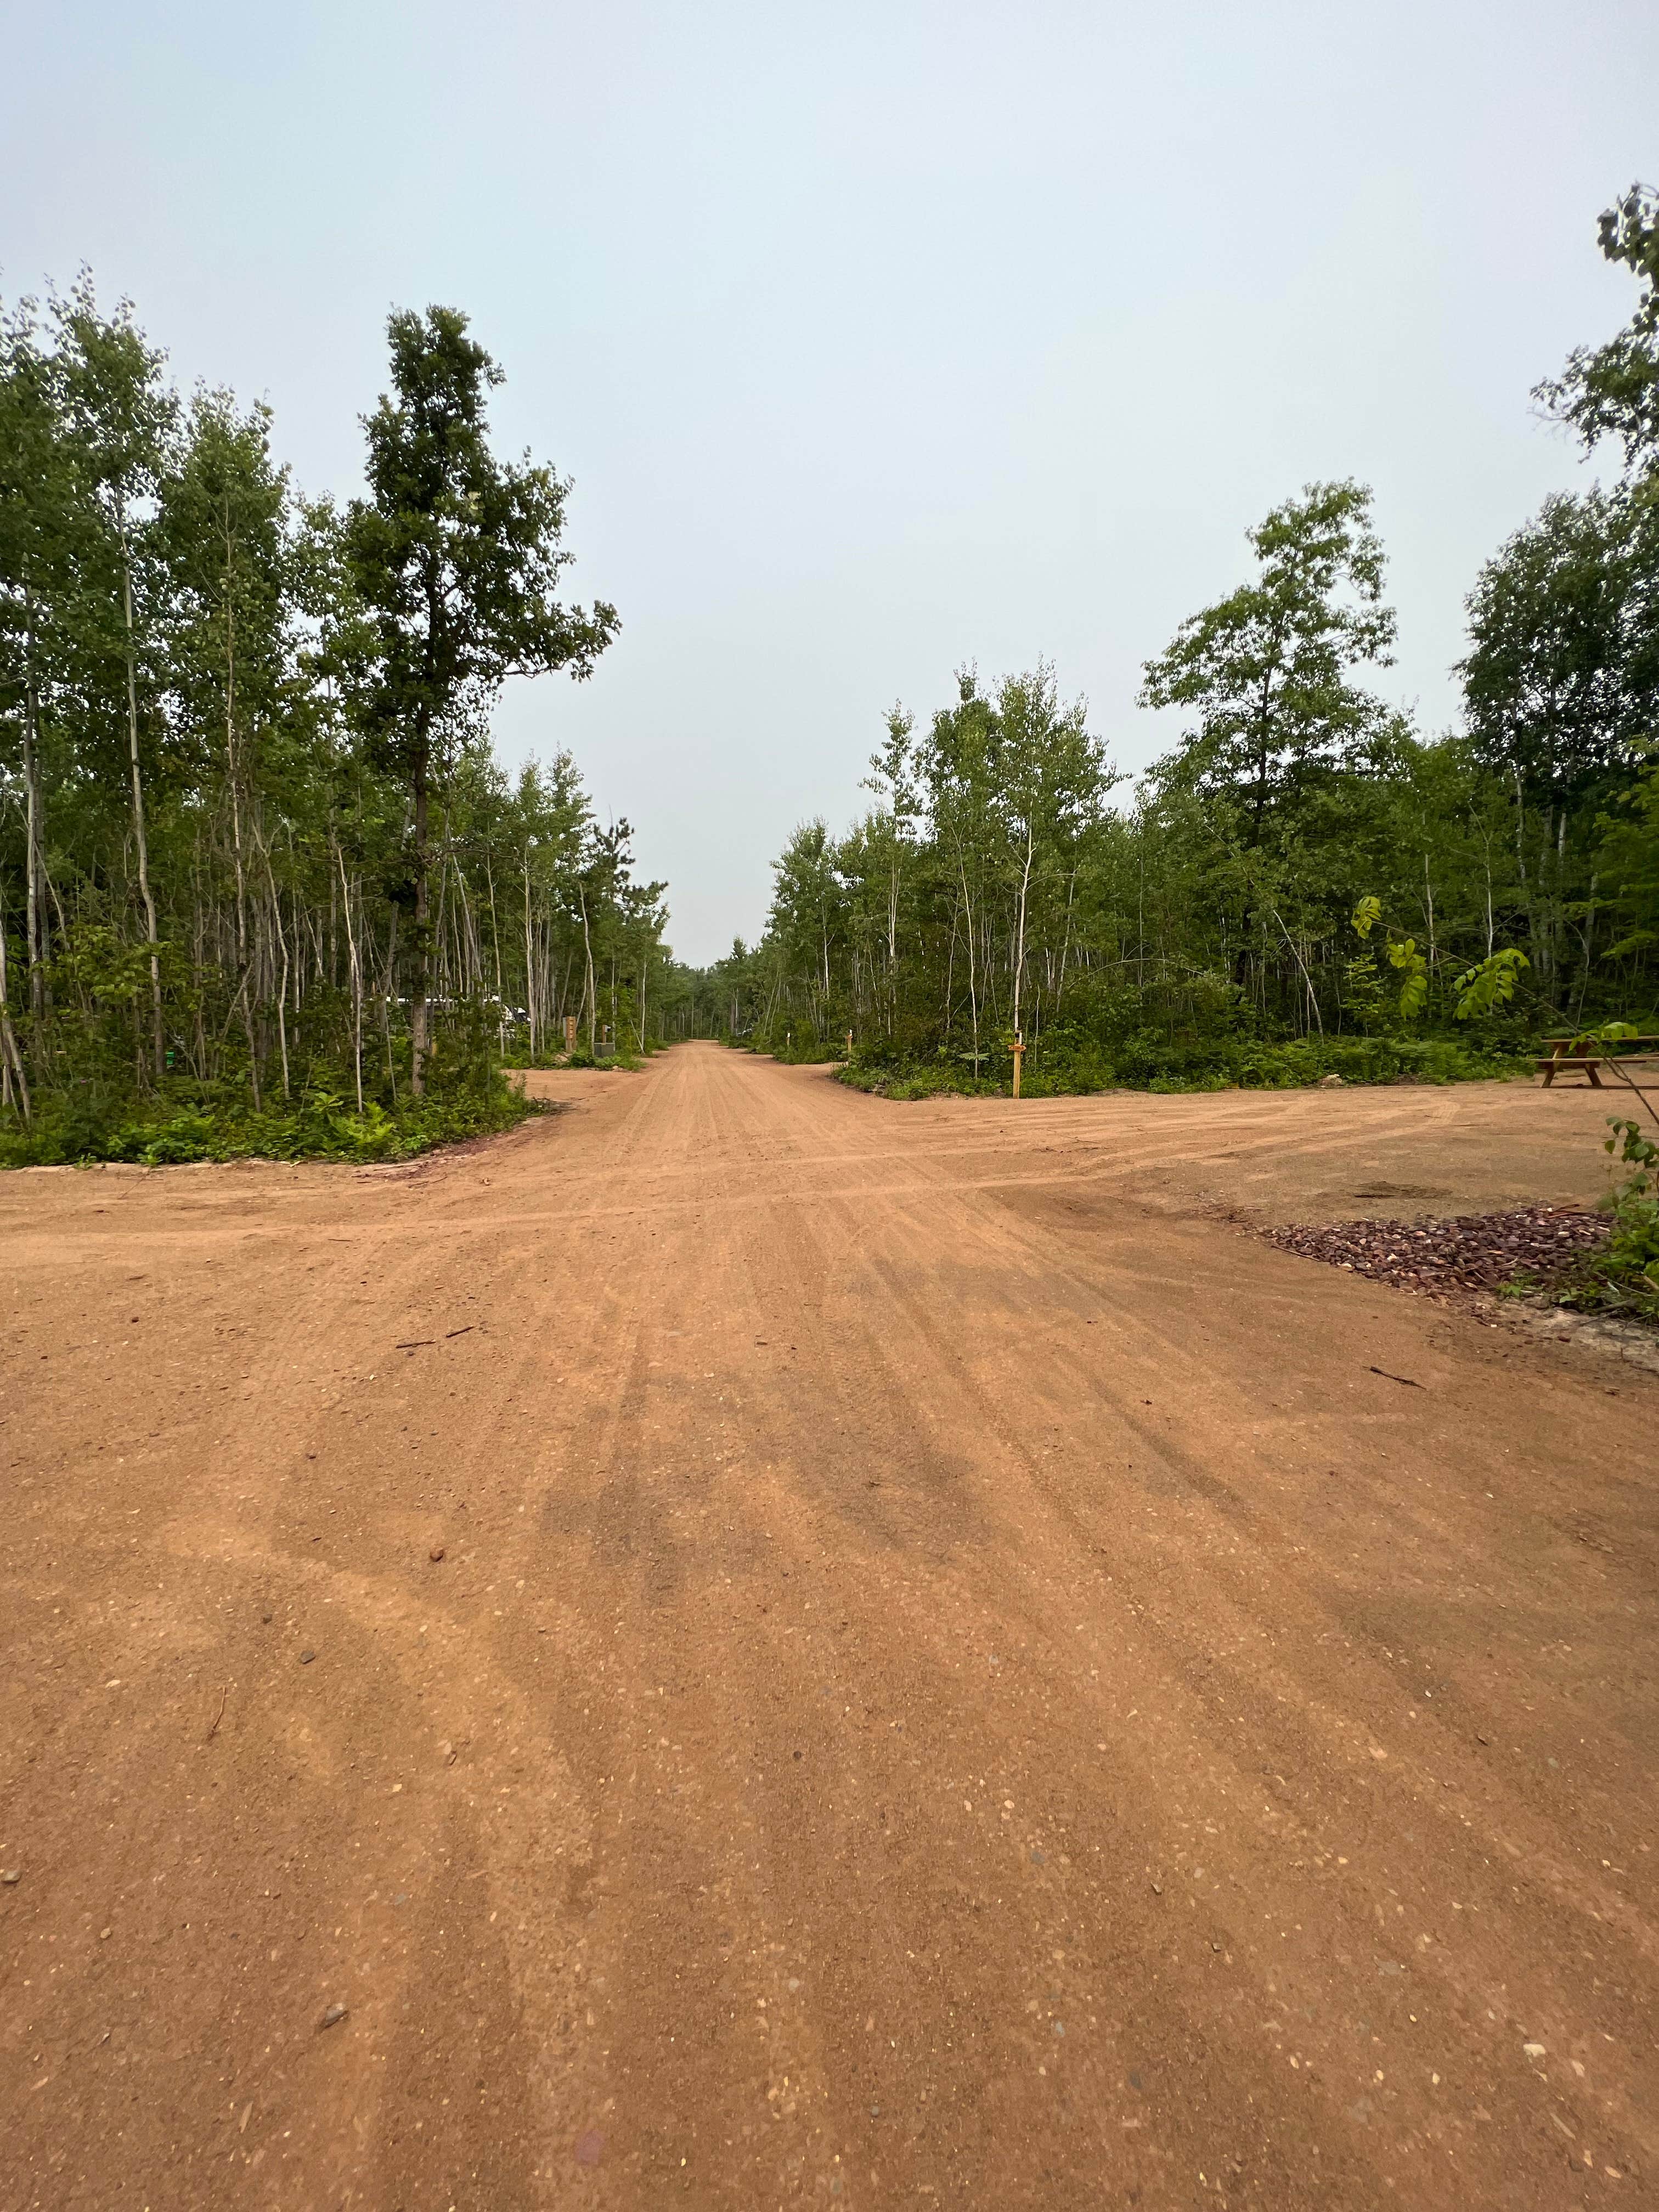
876	338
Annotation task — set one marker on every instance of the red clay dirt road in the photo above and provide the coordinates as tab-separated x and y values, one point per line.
952	1677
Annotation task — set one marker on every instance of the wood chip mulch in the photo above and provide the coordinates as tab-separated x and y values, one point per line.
1437	1259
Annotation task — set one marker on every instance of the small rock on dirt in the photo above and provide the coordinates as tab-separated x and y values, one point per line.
436	1554
333	2016
11	1876
305	1658
1444	1257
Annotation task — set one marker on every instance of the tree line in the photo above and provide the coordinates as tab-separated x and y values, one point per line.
260	868
1306	879
255	849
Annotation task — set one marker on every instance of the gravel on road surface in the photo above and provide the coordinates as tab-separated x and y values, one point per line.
1471	1252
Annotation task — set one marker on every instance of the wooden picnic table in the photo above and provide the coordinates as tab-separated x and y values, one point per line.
1569	1056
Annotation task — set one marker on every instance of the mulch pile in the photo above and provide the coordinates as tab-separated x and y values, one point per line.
1474	1252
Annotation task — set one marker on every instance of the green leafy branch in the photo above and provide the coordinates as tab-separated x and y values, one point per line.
1402	954
1489	983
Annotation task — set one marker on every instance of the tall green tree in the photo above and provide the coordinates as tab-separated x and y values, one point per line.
806	914
1562	676
224	530
1268	676
959	766
121	417
1561	683
1611	391
1267	672
37	545
890	832
1053	778
456	557
1630	855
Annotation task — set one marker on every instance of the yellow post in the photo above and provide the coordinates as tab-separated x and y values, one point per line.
1019	1054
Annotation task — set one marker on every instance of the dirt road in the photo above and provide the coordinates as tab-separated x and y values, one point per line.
953	1675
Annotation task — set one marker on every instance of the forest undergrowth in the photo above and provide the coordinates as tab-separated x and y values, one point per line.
193	1122
1066	1067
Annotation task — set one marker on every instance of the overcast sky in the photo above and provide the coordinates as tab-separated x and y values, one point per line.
878	339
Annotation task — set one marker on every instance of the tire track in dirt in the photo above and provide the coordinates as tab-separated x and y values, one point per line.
853	1744
1158	1662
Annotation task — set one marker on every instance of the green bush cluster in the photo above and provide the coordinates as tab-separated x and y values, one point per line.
580	1058
1069	1063
203	1123
802	1051
1622	1277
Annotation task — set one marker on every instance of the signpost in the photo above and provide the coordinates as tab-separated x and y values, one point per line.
1019	1054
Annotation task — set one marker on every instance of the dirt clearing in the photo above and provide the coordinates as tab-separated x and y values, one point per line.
748	1645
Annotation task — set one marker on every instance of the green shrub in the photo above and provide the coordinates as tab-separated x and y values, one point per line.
1066	1063
794	1050
1622	1277
221	1124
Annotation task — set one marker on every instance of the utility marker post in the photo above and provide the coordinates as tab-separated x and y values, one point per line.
849	1044
1019	1054
570	1032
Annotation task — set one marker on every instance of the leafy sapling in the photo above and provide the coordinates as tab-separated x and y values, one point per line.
1402	954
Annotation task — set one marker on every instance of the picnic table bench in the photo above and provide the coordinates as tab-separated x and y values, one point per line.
1567	1055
